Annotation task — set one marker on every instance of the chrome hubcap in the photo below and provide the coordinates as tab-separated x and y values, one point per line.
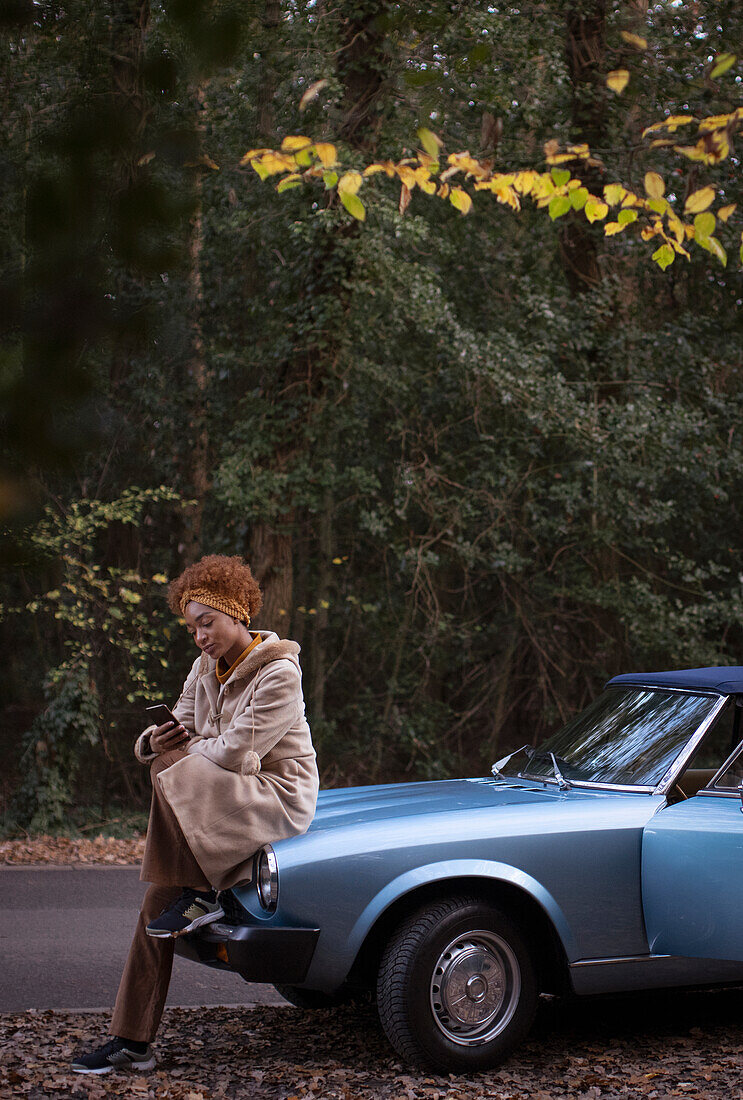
475	988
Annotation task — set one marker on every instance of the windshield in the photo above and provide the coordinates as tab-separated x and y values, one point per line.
628	736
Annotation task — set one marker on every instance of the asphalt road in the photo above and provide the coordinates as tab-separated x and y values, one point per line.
64	937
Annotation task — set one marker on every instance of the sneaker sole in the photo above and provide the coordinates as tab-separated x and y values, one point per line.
138	1067
164	934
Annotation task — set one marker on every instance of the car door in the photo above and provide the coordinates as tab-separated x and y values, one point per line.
692	871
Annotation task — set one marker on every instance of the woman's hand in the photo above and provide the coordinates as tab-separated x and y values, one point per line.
168	737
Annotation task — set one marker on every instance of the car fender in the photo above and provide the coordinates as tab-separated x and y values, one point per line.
449	870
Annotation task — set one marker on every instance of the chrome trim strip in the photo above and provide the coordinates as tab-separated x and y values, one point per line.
718	792
620	959
629	788
674	770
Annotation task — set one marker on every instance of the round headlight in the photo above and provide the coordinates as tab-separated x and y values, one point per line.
268	878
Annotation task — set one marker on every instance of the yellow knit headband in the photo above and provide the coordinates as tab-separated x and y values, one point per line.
220	603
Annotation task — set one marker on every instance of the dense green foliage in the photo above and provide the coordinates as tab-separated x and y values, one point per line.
479	463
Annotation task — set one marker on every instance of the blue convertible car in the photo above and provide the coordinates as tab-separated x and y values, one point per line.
608	858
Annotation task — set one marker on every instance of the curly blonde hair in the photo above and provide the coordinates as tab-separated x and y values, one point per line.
225	580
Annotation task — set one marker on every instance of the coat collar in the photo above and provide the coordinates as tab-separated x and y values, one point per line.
272	648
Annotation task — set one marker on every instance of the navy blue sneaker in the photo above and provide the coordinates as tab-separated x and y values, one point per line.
187	913
115	1054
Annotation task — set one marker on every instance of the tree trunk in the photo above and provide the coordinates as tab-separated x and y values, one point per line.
267	89
585	48
129	22
272	565
361	63
197	370
321	601
269	544
362	67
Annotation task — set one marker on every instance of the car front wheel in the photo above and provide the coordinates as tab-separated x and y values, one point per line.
456	987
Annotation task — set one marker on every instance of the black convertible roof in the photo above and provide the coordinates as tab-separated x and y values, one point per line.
727	679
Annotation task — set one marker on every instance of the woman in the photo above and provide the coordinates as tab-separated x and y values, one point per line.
237	771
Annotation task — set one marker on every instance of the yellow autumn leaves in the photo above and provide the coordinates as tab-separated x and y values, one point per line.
320	160
618	79
714	133
348	186
659	218
713	138
317	159
712	145
301	160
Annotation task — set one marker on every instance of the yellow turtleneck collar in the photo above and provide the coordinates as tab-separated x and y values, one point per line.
223	674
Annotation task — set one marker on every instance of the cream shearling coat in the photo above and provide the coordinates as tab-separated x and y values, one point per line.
227	816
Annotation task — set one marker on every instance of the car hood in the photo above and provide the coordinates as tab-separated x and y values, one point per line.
357	822
352	805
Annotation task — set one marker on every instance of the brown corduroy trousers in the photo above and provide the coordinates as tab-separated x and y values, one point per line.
169	865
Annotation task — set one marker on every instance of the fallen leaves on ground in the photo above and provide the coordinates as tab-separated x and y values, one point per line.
65	849
679	1044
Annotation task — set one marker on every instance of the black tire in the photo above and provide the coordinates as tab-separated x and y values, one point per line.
309	998
456	989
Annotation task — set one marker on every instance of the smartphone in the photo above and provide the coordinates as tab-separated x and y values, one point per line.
159	714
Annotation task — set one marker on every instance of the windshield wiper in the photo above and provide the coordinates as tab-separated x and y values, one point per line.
563	783
496	768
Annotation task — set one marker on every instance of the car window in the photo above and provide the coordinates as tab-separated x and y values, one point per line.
732	777
714	750
627	736
720	741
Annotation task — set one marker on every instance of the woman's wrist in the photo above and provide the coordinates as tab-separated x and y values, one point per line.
143	749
